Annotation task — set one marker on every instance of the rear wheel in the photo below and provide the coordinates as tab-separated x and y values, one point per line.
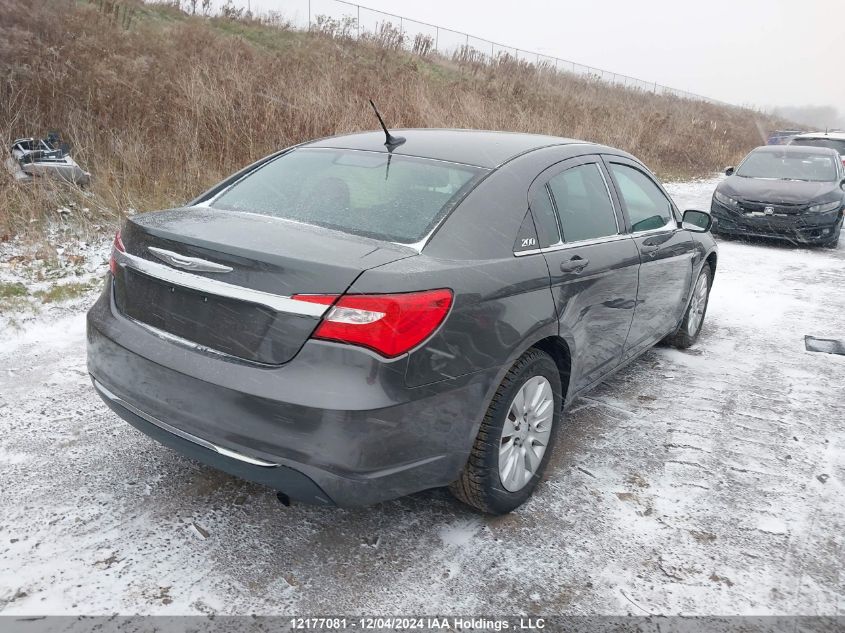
515	439
687	334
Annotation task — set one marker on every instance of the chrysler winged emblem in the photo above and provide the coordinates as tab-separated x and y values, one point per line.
769	210
188	263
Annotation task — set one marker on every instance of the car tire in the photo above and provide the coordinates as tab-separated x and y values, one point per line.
687	333
482	484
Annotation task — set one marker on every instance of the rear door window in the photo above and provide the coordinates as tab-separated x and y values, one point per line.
583	203
648	208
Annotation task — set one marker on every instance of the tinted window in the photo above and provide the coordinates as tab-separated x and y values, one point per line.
396	198
548	232
647	207
583	203
789	166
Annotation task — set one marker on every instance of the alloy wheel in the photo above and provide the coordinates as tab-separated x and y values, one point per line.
698	305
526	433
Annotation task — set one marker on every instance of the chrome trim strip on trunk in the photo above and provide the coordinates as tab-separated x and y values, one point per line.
279	303
188	263
178	432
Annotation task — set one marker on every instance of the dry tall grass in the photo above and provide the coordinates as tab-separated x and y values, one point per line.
160	111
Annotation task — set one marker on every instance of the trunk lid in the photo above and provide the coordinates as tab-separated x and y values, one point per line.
268	255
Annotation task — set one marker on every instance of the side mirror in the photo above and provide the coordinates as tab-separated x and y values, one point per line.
729	171
842	184
696	221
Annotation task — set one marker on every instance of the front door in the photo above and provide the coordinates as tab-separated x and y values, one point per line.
666	253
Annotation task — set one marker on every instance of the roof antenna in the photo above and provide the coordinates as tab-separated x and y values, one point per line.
389	140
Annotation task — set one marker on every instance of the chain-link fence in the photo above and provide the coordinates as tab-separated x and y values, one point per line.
340	18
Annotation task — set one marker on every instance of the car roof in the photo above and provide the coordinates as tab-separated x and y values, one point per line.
840	136
794	149
481	148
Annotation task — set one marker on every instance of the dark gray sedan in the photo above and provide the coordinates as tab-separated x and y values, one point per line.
350	321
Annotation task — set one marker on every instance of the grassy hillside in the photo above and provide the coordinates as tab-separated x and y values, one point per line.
164	108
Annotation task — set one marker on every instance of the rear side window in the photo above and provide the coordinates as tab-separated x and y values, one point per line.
583	203
647	207
392	198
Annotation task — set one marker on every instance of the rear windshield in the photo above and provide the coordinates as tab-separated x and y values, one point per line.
832	143
392	198
791	166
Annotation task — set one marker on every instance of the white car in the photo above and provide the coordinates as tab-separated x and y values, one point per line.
31	157
833	140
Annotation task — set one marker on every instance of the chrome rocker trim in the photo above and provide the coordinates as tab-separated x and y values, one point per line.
278	303
178	432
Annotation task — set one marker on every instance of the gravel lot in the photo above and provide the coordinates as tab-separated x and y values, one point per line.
708	481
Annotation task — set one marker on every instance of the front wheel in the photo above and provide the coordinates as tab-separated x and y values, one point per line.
515	439
687	333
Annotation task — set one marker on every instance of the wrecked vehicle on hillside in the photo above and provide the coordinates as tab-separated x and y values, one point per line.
32	158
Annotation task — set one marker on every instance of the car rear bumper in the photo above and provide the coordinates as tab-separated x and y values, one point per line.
294	483
804	228
336	425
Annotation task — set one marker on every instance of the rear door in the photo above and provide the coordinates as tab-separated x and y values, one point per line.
592	263
665	250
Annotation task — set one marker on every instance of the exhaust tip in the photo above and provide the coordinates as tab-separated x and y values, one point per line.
283	499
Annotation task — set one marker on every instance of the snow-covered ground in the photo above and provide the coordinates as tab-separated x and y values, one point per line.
43	280
708	481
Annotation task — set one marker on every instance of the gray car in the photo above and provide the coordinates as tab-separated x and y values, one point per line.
349	321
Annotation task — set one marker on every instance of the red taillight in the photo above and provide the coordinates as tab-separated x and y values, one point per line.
116	245
389	324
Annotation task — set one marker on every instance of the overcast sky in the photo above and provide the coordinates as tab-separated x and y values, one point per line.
749	52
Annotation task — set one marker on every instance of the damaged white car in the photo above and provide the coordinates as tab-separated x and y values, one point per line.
31	158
